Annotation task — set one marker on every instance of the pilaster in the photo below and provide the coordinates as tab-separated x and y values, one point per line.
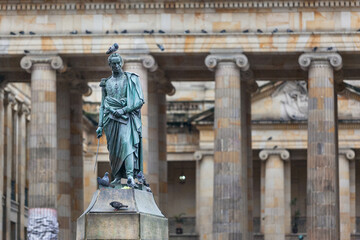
231	217
347	193
43	144
276	207
322	161
76	152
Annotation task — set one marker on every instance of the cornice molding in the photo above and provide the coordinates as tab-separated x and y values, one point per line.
28	7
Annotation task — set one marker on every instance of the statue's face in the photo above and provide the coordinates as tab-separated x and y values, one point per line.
115	64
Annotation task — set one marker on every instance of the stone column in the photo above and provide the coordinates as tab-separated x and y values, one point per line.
231	218
163	191
140	64
63	161
276	203
77	164
24	111
43	145
322	161
204	192
2	135
347	193
9	158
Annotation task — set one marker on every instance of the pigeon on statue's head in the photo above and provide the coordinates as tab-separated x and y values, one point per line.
113	48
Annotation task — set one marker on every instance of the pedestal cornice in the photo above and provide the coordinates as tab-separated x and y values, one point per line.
284	154
212	60
321	58
54	61
348	152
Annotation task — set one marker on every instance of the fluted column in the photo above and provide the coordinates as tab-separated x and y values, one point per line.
347	193
63	162
322	161
231	214
276	203
2	135
141	64
43	145
9	158
24	111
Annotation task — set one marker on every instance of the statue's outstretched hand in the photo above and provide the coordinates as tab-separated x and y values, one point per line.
99	132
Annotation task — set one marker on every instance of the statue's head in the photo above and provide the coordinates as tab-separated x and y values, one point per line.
115	62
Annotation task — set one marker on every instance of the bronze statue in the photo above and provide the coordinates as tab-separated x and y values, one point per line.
120	118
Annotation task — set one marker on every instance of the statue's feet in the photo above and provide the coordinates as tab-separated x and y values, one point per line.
116	181
131	183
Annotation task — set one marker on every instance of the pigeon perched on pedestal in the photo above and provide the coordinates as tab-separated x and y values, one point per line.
113	48
118	205
105	181
141	178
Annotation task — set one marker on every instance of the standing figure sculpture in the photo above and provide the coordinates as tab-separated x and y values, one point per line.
120	118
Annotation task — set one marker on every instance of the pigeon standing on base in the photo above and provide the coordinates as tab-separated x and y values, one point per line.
105	181
118	205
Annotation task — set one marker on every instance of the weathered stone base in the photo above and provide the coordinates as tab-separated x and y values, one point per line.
141	220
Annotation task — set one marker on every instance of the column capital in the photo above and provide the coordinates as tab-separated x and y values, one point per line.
284	154
212	60
54	61
81	87
24	108
147	60
198	155
348	152
334	59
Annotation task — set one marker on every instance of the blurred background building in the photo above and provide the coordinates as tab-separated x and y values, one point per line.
230	102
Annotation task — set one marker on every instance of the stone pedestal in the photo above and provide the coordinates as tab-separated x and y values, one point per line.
141	220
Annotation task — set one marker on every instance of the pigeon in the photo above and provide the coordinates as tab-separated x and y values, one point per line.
146	31
259	31
187	31
223	31
118	205
148	189
12	33
161	47
152	31
124	31
275	147
270	138
203	31
104	181
289	30
141	178
31	33
246	31
116	32
330	48
275	30
26	51
315	49
358	30
74	32
113	48
22	32
107	32
88	32
161	31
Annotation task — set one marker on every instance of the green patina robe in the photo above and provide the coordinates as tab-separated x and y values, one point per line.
123	134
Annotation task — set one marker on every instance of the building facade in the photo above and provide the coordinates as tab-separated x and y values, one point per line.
256	150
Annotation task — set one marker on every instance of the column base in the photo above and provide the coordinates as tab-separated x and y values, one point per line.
42	224
141	220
